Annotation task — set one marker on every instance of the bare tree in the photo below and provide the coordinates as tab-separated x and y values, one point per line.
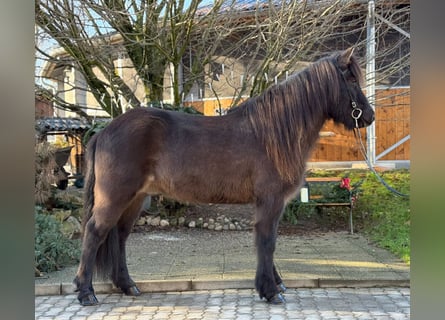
150	34
278	39
275	39
225	48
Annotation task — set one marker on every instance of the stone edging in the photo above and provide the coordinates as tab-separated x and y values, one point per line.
190	285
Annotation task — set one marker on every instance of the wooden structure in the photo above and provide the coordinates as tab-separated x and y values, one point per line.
71	129
392	125
319	200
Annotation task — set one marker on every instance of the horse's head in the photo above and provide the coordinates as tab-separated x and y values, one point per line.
353	109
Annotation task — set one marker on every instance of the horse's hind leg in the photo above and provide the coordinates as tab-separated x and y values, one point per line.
267	218
121	277
95	233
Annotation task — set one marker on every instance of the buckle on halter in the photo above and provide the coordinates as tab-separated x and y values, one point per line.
356	113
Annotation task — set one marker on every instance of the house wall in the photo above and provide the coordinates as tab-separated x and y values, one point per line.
43	108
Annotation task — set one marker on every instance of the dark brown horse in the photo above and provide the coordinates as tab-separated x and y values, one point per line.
254	154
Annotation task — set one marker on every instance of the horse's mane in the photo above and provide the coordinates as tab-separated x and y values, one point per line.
287	117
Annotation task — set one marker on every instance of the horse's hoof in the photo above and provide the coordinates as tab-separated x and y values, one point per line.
277	299
132	291
88	300
281	287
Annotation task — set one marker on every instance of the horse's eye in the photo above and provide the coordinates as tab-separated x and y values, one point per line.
351	78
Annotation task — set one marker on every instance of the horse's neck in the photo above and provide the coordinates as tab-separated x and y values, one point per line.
311	136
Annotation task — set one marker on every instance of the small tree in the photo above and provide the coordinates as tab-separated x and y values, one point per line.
45	176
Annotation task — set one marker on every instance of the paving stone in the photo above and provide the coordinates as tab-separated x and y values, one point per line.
241	304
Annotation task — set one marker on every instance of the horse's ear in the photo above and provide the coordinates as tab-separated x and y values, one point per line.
345	57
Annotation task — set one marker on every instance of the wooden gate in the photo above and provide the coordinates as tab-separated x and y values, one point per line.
392	132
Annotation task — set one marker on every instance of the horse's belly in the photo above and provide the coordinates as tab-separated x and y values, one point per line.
201	190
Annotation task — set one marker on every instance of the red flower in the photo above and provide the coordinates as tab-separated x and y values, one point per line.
346	183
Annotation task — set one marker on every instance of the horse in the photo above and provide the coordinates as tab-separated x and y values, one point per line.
254	154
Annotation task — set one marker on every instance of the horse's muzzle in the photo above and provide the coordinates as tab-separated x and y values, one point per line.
366	119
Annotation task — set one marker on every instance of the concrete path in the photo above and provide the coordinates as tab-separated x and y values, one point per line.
199	274
199	259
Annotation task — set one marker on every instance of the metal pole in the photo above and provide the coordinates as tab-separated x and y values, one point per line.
370	77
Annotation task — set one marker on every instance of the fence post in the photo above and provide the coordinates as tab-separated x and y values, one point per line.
370	78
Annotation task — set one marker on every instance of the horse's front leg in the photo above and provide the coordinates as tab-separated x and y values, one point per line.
281	287
267	280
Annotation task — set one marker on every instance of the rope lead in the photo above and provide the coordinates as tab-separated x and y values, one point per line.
363	152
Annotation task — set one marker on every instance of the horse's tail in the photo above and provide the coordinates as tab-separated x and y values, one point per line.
90	179
107	257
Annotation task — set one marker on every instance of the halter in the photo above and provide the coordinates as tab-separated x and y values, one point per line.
356	112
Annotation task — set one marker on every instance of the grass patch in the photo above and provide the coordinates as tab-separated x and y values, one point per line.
380	214
386	216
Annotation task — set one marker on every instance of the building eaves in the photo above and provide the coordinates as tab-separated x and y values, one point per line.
46	125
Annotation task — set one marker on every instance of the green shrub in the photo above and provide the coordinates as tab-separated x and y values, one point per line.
52	250
296	210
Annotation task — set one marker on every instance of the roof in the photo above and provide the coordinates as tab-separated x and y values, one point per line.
45	125
239	5
256	5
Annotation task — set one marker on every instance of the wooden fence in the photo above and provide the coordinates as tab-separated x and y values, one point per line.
393	122
391	125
